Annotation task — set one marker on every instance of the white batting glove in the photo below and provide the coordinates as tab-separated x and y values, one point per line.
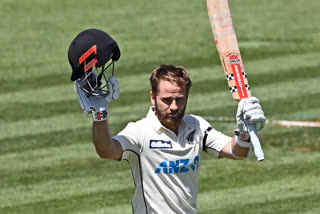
249	112
97	105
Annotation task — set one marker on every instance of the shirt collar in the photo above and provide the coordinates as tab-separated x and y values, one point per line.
153	120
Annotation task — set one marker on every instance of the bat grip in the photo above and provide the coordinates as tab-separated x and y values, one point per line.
255	142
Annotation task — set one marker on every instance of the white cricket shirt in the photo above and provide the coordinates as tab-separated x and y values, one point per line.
165	167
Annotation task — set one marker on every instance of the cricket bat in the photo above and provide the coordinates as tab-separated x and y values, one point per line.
228	49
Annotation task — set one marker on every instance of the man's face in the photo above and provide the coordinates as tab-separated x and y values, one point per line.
170	104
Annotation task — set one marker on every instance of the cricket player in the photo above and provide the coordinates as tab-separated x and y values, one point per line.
164	148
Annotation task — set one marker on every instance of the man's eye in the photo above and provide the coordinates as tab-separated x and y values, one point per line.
180	99
166	100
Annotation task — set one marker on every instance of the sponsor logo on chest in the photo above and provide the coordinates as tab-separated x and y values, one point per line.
160	144
178	166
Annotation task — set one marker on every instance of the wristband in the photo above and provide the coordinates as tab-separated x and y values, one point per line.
243	136
99	115
243	143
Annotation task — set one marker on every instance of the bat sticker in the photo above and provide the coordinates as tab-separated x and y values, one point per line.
234	61
231	76
235	89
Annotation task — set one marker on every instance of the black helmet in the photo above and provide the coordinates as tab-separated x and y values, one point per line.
90	50
91	47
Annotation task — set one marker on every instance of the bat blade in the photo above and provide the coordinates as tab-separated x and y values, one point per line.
229	53
228	48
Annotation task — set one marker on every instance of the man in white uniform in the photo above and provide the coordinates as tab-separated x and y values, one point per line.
164	148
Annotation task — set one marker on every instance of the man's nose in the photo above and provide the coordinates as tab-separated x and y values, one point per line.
174	106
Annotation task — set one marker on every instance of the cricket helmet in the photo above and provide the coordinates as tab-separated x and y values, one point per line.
88	51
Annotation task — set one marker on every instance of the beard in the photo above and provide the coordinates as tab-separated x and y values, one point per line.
170	120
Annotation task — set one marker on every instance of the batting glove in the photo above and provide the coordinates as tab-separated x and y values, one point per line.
98	103
249	112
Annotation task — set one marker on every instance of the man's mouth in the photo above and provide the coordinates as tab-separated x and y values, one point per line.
173	114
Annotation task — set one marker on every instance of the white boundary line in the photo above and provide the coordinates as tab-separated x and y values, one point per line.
284	123
220	119
293	123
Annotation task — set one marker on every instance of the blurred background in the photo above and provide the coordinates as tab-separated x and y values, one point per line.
48	163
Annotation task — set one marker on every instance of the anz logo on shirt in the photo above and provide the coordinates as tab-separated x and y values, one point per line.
178	166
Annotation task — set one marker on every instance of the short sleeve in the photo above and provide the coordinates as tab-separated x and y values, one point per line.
213	140
129	141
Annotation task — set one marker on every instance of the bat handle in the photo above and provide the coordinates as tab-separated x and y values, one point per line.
255	142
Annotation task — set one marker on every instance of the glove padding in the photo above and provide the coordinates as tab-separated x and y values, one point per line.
249	112
97	105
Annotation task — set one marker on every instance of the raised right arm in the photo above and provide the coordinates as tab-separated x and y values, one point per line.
106	147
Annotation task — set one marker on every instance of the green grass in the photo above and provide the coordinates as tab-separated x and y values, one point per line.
47	160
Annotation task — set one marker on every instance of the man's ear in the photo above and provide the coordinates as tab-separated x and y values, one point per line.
153	98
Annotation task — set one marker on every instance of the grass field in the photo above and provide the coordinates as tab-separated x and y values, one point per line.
47	160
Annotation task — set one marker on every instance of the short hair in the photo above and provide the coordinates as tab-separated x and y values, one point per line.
172	73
